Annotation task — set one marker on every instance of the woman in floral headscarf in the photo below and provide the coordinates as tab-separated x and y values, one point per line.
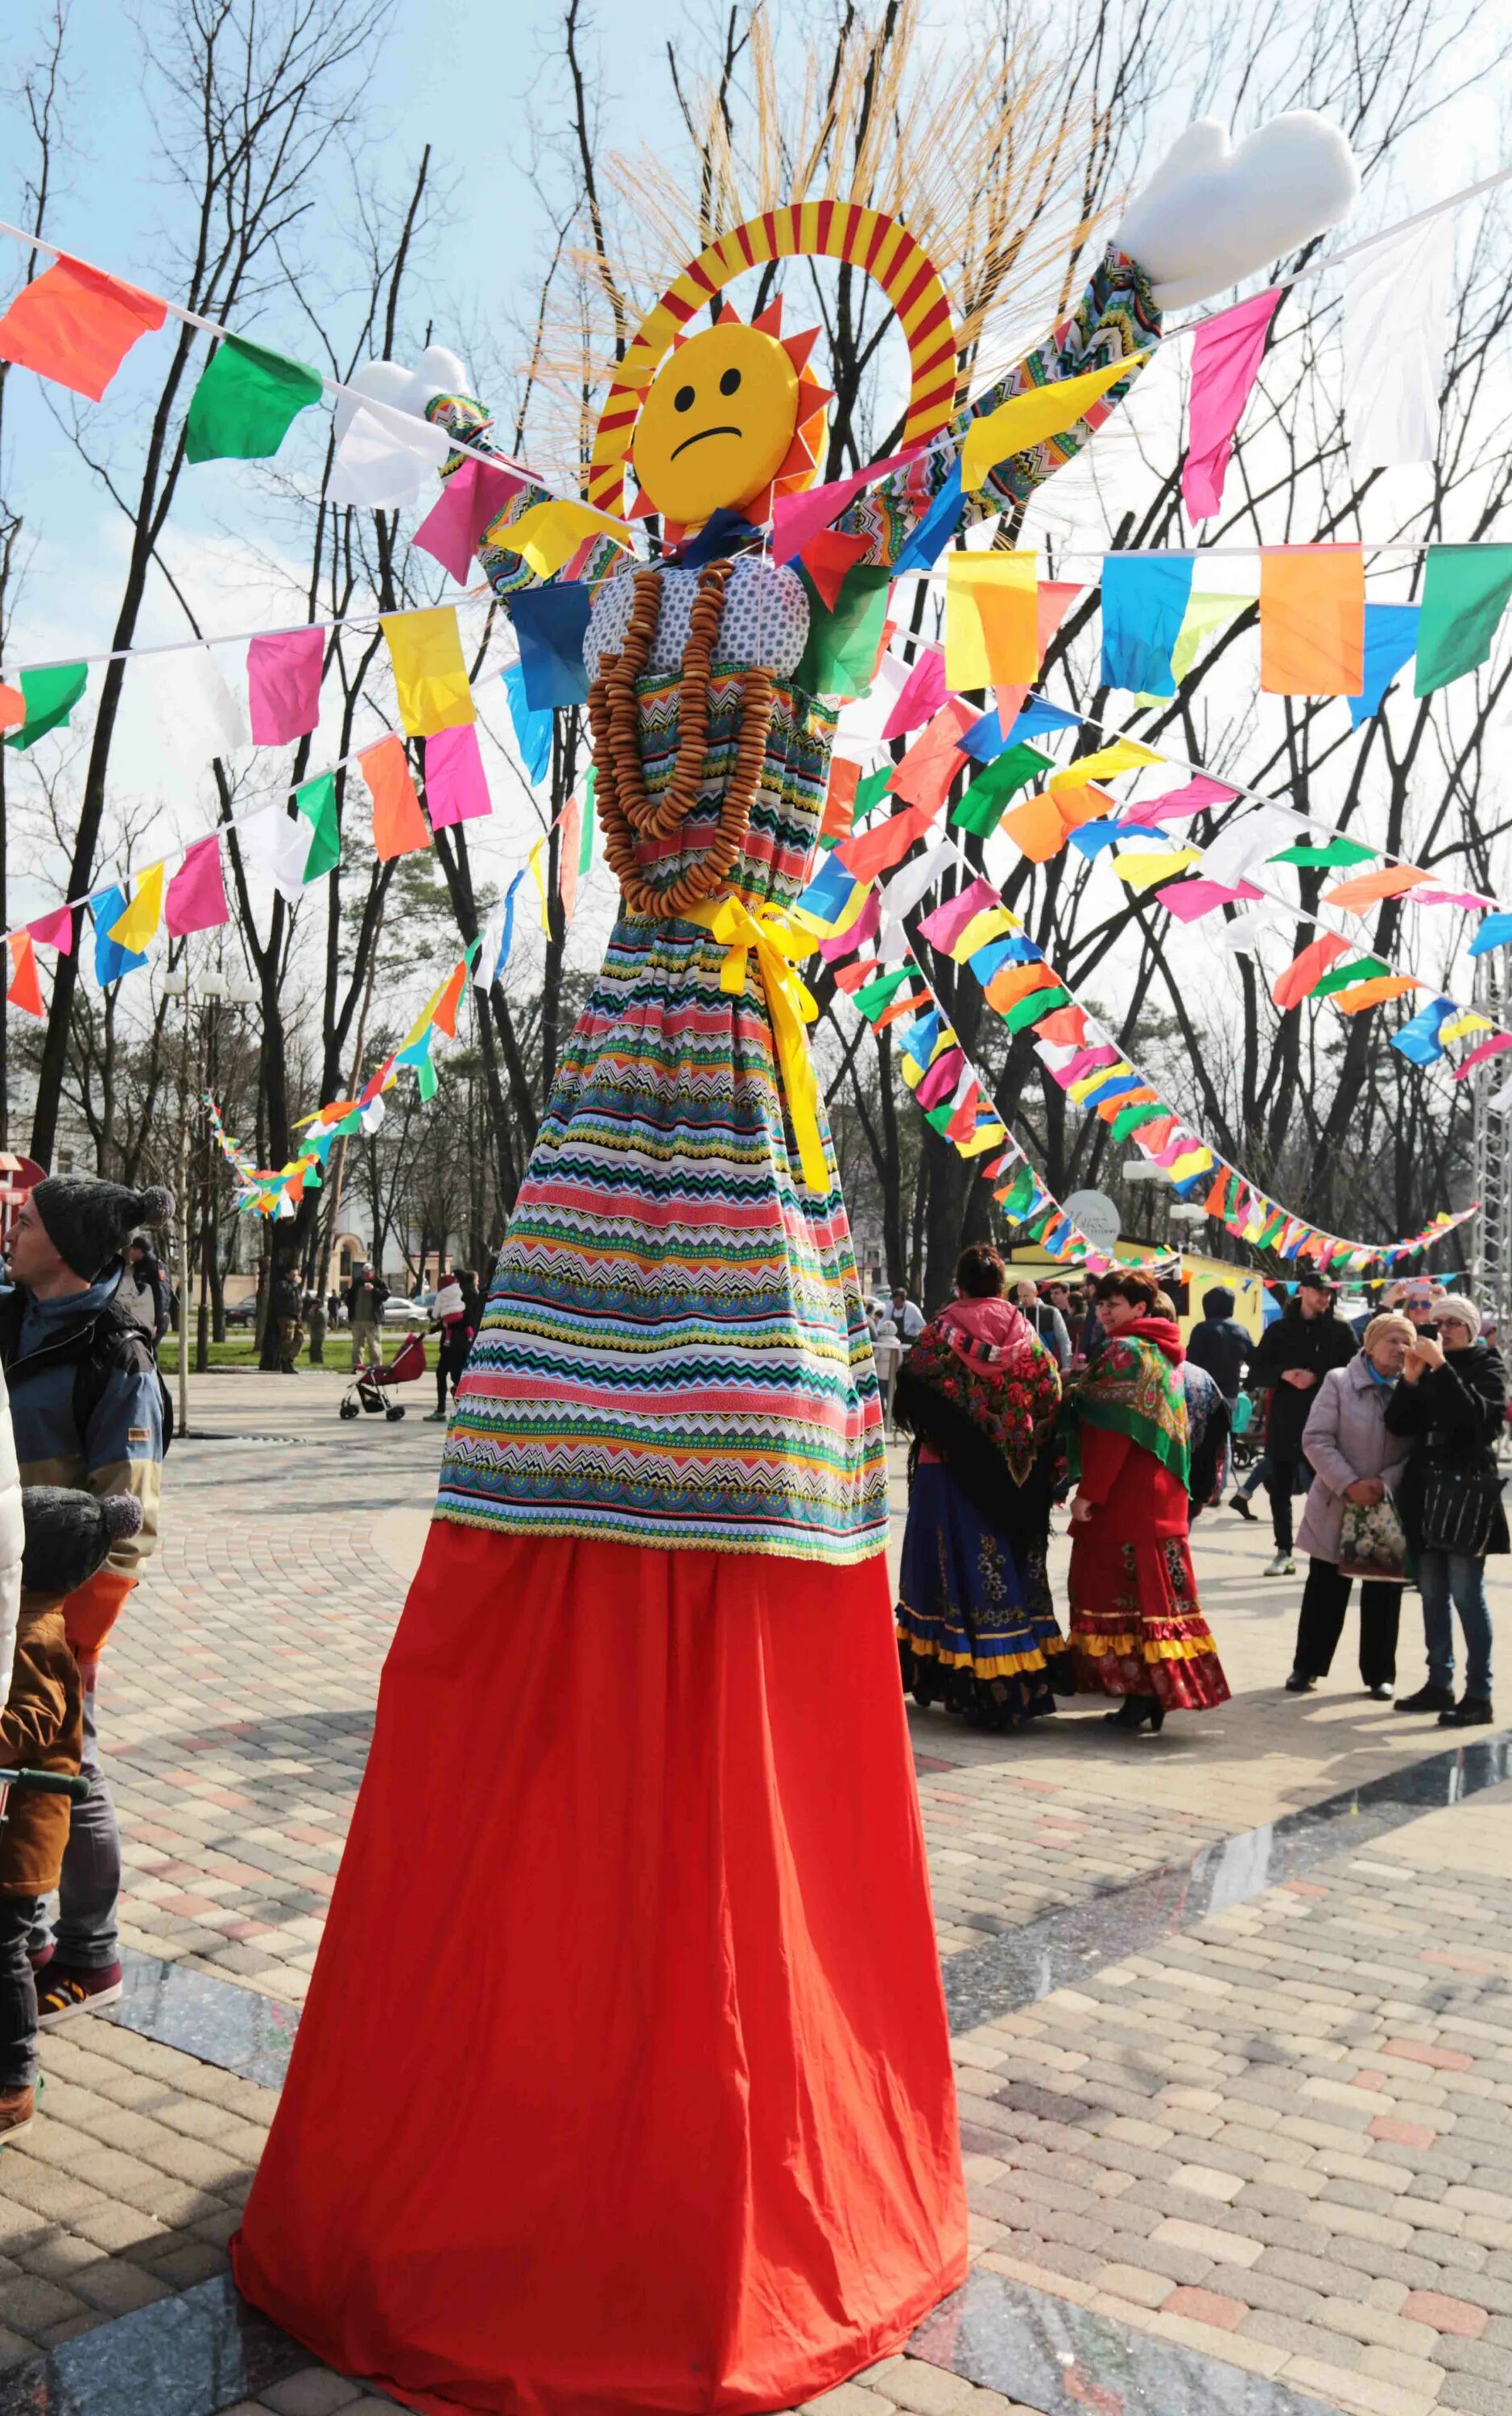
979	1392
1137	1626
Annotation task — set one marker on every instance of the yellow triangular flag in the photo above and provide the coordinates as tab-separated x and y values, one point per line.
549	533
429	676
1143	869
1032	418
1122	755
137	923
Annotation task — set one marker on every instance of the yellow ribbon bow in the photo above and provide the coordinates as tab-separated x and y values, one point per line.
780	936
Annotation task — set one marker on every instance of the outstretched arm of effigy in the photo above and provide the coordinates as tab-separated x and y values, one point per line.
1208	217
467	419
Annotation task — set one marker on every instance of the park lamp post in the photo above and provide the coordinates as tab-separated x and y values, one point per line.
216	989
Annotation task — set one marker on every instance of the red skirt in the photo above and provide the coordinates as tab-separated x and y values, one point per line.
1136	1624
624	2081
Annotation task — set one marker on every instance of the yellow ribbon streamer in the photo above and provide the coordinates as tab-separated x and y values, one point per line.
779	936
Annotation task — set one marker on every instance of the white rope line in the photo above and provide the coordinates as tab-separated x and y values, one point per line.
235	637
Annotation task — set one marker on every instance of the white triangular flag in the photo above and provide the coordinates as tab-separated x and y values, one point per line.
1247	840
1396	336
386	458
277	844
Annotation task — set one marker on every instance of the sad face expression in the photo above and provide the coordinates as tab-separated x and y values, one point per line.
717	423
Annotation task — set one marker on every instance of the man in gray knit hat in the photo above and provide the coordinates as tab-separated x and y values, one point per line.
87	1408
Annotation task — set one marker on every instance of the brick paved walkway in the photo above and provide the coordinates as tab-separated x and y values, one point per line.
1280	2137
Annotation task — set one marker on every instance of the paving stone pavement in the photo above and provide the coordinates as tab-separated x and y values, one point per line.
1245	2139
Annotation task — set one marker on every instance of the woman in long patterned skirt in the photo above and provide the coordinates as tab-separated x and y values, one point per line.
979	1391
1137	1628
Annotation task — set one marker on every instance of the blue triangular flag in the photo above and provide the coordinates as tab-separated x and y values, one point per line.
111	958
533	730
1390	638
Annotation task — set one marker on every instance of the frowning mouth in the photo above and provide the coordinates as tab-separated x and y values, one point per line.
699	438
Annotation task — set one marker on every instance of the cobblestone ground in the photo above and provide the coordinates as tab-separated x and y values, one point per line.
1281	2136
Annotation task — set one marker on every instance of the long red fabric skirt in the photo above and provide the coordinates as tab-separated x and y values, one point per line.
624	2081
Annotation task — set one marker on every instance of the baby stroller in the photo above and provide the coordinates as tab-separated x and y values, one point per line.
369	1385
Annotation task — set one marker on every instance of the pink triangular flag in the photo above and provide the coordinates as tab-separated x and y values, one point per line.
944	927
1054	600
472	498
456	786
283	685
1491	1048
795	519
55	931
1225	360
1187	900
196	899
924	693
1178	804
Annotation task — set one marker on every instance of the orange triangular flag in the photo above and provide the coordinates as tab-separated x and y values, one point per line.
398	824
840	804
76	326
25	991
1391	881
444	1018
828	557
12	707
1370	993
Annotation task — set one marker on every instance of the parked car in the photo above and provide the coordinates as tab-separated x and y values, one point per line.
405	1312
243	1312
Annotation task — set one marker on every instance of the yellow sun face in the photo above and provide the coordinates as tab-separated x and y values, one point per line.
717	422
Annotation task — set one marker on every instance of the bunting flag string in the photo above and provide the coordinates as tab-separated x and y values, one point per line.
275	1192
975	928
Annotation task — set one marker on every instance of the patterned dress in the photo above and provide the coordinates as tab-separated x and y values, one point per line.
675	1350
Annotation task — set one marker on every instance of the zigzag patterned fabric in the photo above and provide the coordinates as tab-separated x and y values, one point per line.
674	1350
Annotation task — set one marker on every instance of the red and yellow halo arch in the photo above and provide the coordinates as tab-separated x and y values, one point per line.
864	238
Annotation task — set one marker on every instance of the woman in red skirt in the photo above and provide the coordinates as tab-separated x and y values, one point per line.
1136	1626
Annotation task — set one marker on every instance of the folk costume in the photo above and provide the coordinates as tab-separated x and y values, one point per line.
1136	1624
980	1393
663	2118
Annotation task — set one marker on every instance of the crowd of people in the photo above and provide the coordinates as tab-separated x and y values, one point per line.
1019	1395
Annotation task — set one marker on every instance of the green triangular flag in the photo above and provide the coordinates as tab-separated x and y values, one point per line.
1128	1120
50	698
585	851
1344	977
873	996
1037	1004
996	785
1040	1225
1465	588
1019	1194
870	791
840	654
316	801
428	1077
1318	859
244	403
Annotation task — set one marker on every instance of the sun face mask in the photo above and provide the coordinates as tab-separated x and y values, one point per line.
732	416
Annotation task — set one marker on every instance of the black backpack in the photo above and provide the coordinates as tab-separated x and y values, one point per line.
111	1340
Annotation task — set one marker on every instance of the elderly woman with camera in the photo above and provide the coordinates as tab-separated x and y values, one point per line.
1451	1404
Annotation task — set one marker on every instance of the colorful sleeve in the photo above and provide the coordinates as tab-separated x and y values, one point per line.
1115	318
463	417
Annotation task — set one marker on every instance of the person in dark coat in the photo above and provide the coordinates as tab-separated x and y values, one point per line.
1219	1343
1294	1355
1452	1401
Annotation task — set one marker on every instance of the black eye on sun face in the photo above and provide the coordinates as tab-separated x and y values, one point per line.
729	382
683	398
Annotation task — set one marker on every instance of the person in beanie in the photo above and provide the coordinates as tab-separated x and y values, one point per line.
1306	1343
69	1536
87	1407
